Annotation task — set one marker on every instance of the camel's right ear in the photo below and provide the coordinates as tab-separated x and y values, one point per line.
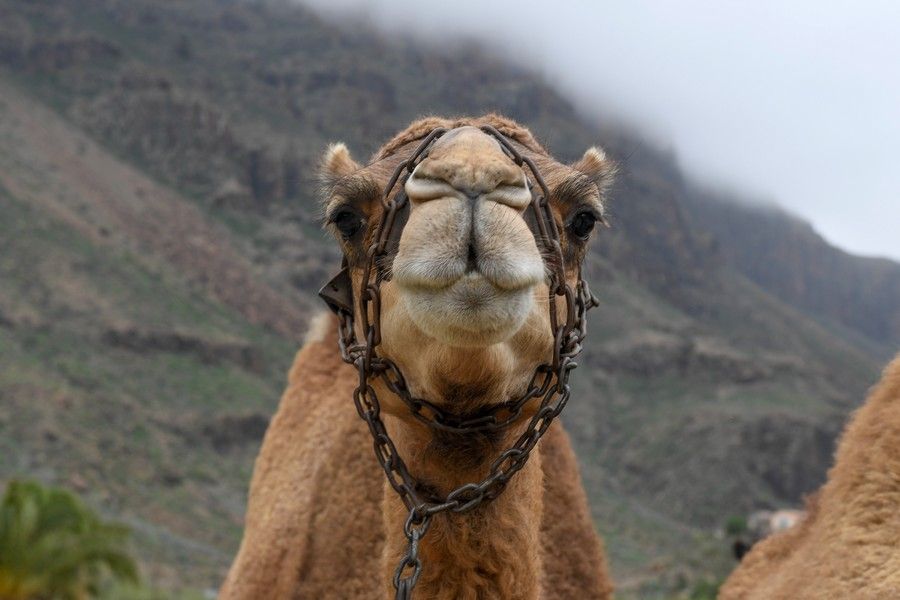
336	164
597	167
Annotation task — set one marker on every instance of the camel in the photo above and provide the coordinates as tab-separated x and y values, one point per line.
464	316
848	544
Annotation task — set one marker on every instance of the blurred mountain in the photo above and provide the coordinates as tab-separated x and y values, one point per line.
786	257
160	250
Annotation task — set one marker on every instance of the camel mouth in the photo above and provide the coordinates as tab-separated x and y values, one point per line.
467	263
467	273
471	311
473	293
461	246
467	277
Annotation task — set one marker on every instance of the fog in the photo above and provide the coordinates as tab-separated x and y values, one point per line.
796	103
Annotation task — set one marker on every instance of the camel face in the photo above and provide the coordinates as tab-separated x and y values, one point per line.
468	296
468	267
458	322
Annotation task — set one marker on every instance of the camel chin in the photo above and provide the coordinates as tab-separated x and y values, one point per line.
471	312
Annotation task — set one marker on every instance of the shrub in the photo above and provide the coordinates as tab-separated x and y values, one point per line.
735	525
54	547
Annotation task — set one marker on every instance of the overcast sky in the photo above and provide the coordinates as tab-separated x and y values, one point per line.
793	101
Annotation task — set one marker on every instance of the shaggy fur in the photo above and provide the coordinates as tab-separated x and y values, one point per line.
315	520
465	318
423	127
848	546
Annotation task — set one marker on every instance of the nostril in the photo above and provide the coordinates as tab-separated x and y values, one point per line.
422	187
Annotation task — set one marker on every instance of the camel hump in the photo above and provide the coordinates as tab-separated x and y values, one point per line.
315	448
846	545
879	416
319	354
890	381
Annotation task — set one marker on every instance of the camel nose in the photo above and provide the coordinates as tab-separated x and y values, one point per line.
467	162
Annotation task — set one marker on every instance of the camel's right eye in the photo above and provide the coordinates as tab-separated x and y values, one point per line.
348	223
583	224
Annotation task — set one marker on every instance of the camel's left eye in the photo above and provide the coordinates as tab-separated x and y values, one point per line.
582	225
348	223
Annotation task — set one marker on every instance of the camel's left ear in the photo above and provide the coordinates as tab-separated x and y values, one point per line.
336	163
598	168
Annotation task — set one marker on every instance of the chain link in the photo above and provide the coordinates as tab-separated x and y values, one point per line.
549	384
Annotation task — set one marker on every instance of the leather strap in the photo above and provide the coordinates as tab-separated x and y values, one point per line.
338	293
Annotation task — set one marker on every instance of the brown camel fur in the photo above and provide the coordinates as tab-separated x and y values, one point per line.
322	522
848	545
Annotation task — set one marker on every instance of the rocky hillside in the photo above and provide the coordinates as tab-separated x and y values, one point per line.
160	248
786	257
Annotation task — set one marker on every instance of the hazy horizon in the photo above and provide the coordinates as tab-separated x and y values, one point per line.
794	104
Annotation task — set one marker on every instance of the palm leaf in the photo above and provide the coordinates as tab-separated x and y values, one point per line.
53	546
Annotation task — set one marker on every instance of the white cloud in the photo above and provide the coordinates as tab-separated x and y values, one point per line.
797	101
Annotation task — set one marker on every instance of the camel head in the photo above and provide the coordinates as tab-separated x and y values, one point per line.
464	313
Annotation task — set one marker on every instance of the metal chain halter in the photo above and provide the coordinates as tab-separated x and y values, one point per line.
549	383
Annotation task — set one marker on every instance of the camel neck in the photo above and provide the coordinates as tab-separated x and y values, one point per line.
488	552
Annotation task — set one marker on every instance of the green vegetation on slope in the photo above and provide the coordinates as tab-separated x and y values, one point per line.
163	438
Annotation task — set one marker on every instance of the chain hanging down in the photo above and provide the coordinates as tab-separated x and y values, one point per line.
549	383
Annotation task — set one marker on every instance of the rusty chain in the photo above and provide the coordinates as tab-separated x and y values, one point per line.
549	383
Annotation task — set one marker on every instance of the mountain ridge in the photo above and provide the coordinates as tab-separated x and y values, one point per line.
702	394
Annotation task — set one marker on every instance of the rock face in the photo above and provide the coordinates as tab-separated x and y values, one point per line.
22	48
786	256
209	351
726	462
15	38
188	138
231	194
229	432
654	353
64	53
191	142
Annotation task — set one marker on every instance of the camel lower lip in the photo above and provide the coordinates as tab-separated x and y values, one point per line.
471	310
471	283
470	293
477	294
